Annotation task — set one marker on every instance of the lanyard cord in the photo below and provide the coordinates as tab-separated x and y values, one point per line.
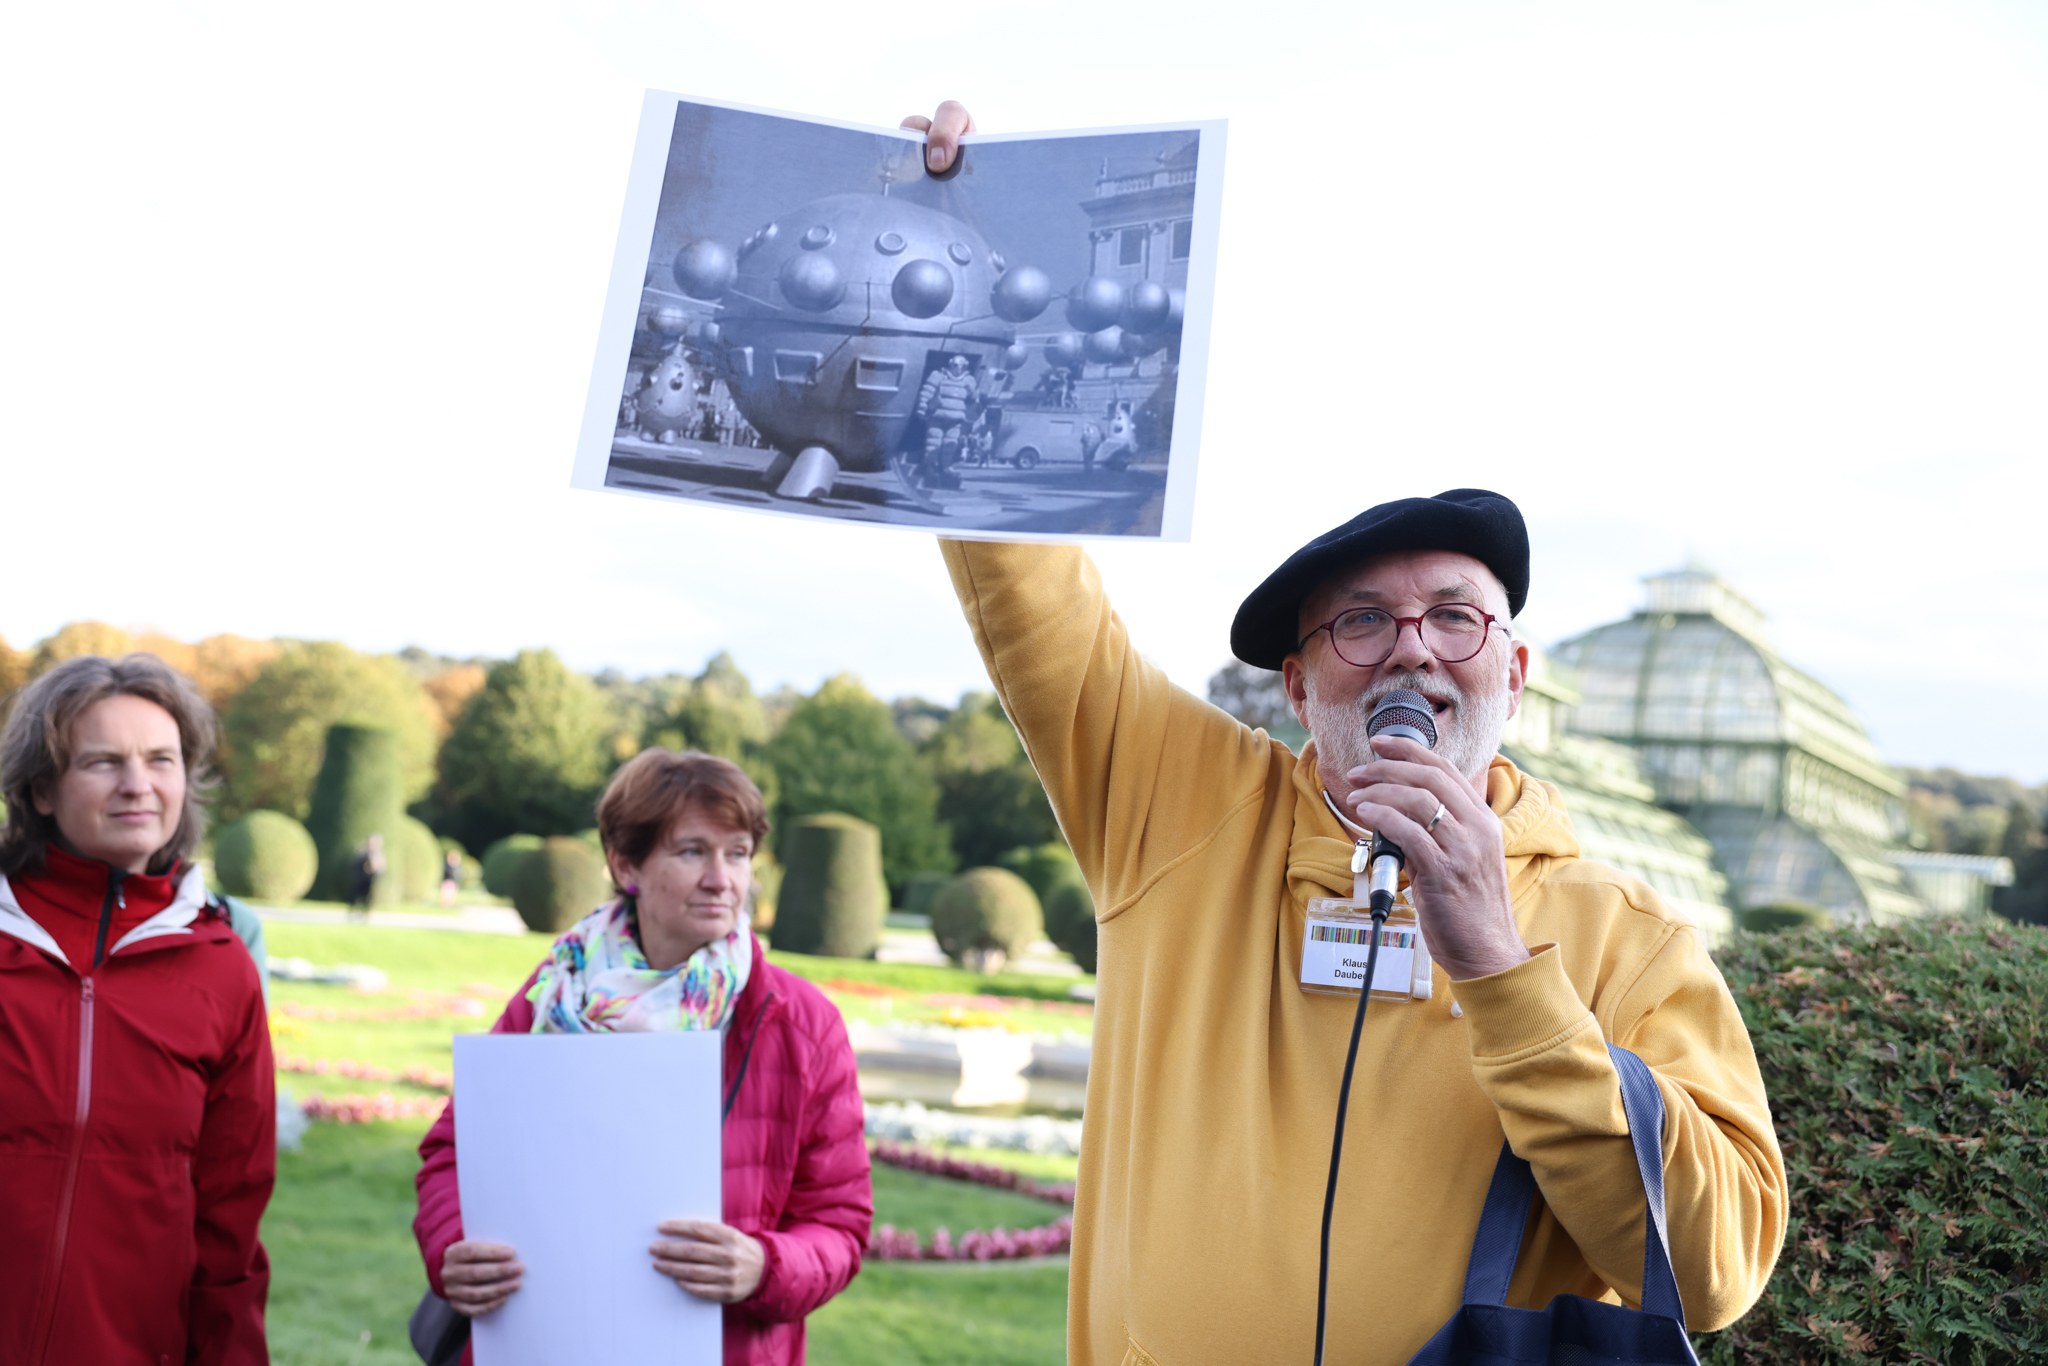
1378	906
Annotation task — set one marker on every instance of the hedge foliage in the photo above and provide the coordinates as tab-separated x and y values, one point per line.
359	792
920	890
1907	1068
413	857
1070	921
1045	866
832	900
265	856
559	883
986	916
501	861
1781	915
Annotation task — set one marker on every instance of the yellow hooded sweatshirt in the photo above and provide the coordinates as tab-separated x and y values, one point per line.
1212	1088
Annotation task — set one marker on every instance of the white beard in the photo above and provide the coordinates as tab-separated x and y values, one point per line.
1468	733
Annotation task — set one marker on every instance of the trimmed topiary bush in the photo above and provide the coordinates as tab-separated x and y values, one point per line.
1044	866
1070	922
1781	915
360	792
919	892
413	859
767	891
559	883
265	856
986	916
501	862
833	898
1908	1078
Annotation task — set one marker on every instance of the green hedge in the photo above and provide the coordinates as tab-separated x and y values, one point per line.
832	900
1070	921
1044	866
501	862
266	856
1781	915
559	883
986	916
413	858
1907	1068
359	792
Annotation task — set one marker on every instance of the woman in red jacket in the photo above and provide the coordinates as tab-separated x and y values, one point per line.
137	1119
673	951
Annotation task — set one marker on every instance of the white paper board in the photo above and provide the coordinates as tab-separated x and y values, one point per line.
571	1148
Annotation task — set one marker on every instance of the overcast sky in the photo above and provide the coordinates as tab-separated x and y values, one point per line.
301	306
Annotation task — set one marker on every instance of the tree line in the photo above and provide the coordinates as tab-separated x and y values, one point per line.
525	745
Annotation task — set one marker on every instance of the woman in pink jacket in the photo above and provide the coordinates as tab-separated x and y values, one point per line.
673	951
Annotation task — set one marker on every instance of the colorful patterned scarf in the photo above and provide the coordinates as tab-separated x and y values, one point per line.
596	979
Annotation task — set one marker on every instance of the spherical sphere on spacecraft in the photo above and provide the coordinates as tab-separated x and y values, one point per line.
1135	344
1064	349
668	320
1177	304
1095	303
1105	344
922	289
812	282
1146	307
1021	294
707	334
704	269
1014	356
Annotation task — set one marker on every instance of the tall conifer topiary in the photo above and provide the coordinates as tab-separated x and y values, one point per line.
833	897
358	793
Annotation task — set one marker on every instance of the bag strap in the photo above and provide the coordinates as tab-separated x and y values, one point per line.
1505	1214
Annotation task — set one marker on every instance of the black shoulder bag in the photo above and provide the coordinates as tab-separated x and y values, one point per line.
1570	1330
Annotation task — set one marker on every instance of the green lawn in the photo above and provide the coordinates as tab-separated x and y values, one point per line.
339	1230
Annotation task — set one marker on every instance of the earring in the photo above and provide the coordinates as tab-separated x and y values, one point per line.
632	889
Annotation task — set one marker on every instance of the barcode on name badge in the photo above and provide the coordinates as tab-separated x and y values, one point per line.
1360	934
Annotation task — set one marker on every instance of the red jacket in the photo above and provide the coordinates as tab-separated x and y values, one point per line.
137	1123
796	1160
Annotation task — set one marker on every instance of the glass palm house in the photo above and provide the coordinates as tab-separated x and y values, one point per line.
1763	761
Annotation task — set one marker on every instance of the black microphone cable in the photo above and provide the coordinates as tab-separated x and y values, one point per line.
1382	902
1408	714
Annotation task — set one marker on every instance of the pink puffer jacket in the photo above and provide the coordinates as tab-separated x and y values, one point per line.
796	1163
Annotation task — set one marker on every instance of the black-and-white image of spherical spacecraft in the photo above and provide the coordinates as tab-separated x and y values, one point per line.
832	314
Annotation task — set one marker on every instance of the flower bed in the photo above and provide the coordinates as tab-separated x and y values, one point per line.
913	1123
367	1109
423	1077
890	1244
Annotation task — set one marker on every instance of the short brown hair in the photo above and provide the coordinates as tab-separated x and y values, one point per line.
35	749
653	789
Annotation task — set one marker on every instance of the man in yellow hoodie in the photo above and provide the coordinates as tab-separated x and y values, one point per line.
1213	1086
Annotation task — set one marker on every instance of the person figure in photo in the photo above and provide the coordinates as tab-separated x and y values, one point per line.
369	866
674	951
1115	451
1213	1081
137	1103
451	877
946	402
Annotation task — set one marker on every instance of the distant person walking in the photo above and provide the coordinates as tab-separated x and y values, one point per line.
451	877
369	867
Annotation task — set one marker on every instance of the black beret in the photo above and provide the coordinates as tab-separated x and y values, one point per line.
1471	522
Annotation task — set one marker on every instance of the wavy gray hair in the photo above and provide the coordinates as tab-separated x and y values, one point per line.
35	748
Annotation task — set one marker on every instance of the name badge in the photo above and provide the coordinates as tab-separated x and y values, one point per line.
1336	943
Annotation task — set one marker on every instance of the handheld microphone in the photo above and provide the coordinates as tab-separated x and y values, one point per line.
1407	714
